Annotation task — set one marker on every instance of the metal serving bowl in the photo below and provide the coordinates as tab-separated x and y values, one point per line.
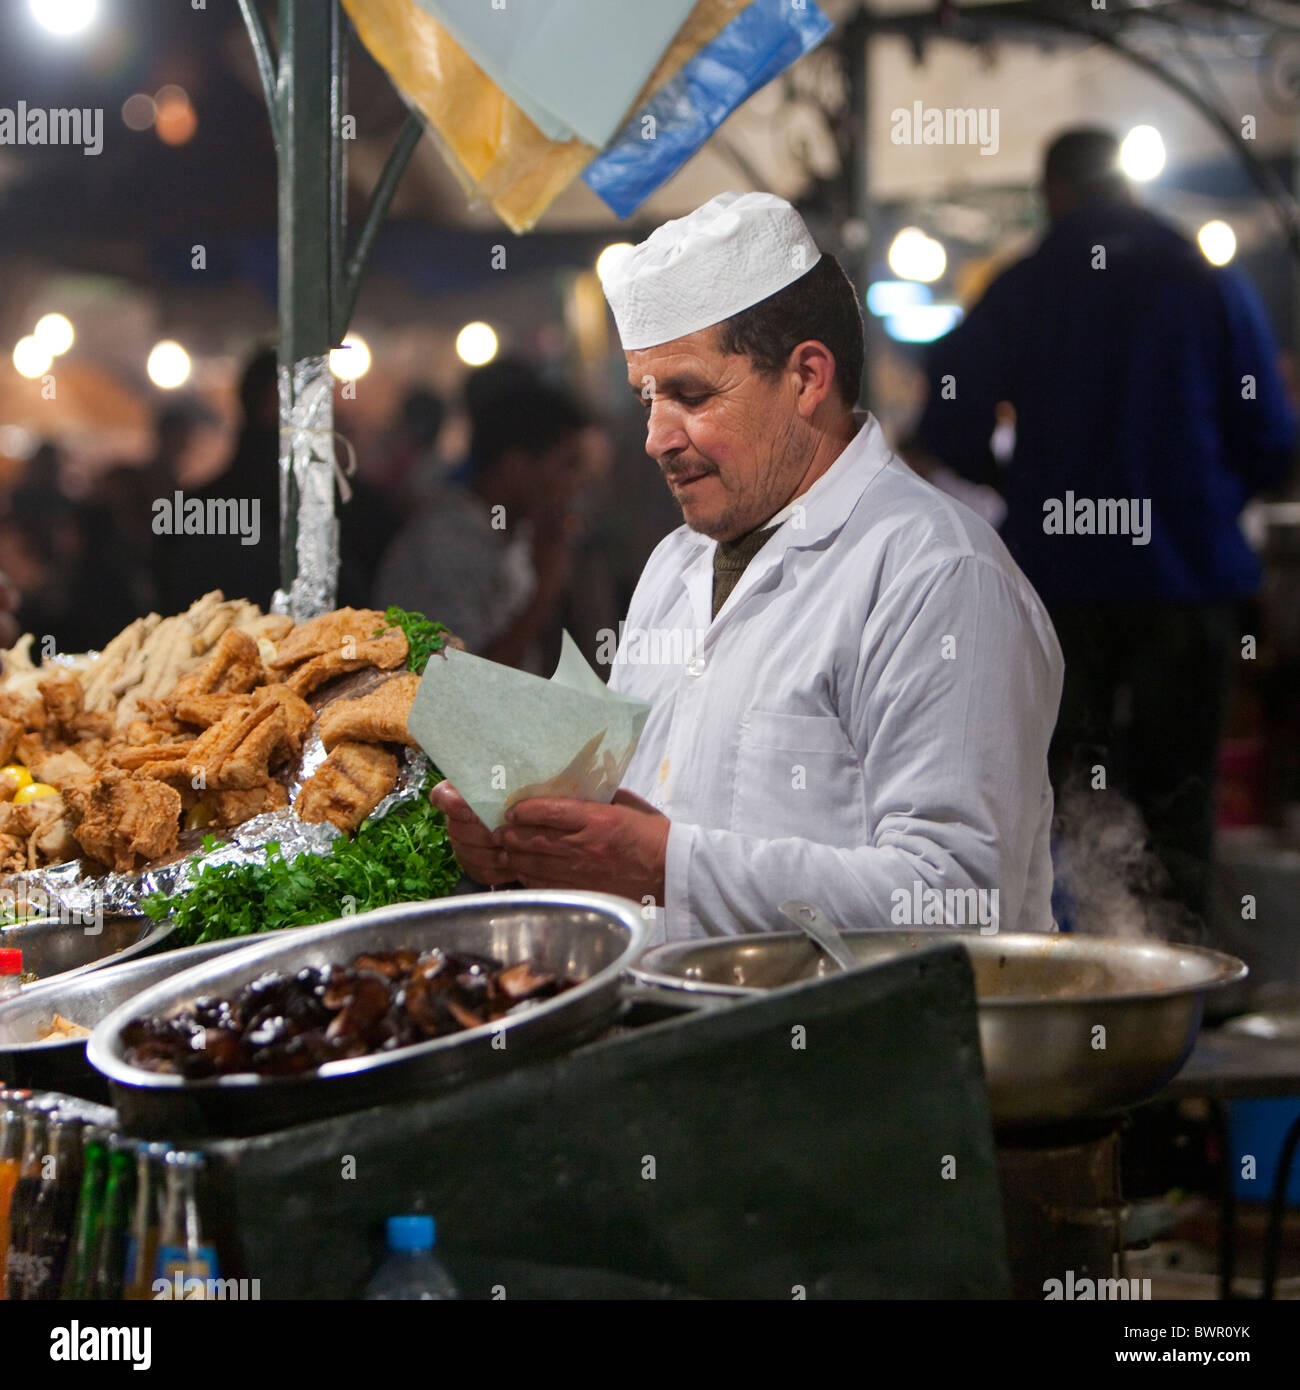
54	949
591	937
59	1064
1071	1027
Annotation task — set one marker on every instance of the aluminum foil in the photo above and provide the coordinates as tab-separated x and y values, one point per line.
67	888
307	454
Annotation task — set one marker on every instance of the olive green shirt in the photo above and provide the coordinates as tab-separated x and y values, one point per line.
731	559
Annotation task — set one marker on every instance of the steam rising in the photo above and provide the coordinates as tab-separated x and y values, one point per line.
1111	882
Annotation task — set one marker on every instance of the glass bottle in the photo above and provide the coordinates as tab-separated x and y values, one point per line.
108	1271
54	1212
142	1244
12	1111
23	1201
90	1212
187	1256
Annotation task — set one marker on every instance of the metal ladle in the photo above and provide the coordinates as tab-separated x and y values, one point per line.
814	923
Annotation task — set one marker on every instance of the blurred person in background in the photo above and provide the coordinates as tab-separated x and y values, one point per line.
9	599
1137	372
123	544
61	558
490	553
187	566
383	488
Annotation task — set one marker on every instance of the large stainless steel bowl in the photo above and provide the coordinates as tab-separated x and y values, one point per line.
1071	1027
54	949
592	937
59	1064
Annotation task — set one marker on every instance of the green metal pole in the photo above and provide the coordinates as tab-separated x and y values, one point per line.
306	95
307	99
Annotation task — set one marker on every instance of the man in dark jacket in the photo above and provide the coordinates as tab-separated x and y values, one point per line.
1148	408
187	566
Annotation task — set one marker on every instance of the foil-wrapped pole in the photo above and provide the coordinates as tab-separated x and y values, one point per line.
308	523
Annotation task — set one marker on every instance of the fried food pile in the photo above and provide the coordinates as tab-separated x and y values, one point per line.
195	720
62	1030
358	773
284	1025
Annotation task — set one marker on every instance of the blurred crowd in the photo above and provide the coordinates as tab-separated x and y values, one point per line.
509	540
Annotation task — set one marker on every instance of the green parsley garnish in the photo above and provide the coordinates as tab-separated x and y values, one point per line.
423	638
404	856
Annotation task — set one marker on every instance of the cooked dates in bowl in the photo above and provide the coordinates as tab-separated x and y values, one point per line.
284	1025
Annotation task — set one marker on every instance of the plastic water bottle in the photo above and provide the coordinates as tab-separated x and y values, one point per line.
412	1270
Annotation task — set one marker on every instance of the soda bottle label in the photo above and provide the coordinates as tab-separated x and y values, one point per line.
185	1274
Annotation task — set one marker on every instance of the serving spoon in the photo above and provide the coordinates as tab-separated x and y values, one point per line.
815	924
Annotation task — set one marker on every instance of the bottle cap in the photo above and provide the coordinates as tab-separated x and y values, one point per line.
411	1233
11	961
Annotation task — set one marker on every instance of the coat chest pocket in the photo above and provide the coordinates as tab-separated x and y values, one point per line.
798	774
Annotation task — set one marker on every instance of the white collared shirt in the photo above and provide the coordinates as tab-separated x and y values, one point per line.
864	724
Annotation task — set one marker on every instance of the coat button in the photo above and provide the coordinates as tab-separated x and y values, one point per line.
695	666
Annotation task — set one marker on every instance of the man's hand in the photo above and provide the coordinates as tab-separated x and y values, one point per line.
478	850
557	842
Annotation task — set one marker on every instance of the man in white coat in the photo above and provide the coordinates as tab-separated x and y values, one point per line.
852	685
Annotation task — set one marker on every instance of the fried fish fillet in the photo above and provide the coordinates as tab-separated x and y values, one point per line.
119	815
237	752
32	747
384	652
64	698
46	826
57	768
331	632
204	710
172	756
377	717
27	709
235	807
234	668
153	714
348	785
10	732
298	714
89	724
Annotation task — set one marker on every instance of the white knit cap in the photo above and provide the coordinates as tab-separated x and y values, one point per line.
700	269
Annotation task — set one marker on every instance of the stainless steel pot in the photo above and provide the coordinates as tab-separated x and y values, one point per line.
592	937
54	1064
54	949
1071	1027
